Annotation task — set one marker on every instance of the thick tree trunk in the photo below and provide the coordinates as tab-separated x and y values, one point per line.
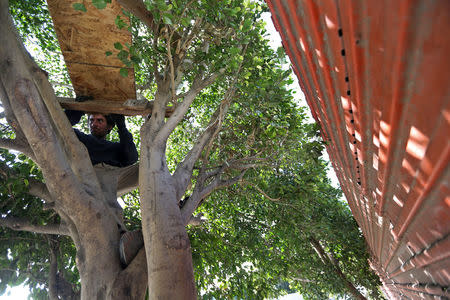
169	257
97	262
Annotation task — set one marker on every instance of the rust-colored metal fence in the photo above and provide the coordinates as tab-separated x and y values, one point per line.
376	75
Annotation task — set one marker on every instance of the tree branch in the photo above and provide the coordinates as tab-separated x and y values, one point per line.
198	85
196	221
325	257
17	145
53	270
19	224
183	172
261	191
66	289
218	183
39	189
138	8
201	193
11	119
36	188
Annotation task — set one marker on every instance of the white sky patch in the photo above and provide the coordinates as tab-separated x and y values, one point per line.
295	296
15	293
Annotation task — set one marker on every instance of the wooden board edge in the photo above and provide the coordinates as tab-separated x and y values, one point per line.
129	108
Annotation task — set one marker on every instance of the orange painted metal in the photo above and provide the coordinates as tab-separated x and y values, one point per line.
376	75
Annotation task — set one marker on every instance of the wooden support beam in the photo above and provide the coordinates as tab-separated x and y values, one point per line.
129	108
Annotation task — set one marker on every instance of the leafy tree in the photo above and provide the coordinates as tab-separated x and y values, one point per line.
234	122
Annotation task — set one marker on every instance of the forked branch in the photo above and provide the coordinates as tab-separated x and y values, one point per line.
179	113
201	192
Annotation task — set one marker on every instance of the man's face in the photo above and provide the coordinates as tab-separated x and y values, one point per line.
98	125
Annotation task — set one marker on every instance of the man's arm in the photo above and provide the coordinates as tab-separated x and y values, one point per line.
128	148
74	116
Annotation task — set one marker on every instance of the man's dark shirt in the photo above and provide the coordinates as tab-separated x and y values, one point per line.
120	154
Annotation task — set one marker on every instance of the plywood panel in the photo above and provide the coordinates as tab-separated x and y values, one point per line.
84	39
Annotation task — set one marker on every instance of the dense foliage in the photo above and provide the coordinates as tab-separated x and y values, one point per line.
258	235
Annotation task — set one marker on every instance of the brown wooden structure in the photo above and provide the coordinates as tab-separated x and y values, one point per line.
84	38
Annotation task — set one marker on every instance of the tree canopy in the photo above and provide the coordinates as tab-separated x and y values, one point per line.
267	216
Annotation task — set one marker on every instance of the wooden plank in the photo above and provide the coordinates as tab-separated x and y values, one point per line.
84	39
129	107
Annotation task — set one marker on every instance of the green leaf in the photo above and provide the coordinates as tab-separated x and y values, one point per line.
126	13
79	6
118	46
135	59
108	53
119	22
185	22
167	19
234	51
247	24
99	4
122	55
124	72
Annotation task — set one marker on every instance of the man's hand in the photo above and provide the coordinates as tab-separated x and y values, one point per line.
119	120
83	98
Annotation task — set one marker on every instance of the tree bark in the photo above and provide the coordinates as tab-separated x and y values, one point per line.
52	276
167	246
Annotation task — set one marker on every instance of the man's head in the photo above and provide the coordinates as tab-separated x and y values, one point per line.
100	125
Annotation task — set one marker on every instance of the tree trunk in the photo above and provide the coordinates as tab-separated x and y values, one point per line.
326	259
167	246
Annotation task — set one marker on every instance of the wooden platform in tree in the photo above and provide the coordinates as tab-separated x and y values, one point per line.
85	37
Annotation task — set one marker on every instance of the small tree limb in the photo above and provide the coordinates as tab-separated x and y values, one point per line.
14	144
39	189
19	224
36	188
201	193
53	270
12	120
261	191
138	8
326	259
183	172
218	183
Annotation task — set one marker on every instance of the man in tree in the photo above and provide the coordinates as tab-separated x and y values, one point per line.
100	150
106	156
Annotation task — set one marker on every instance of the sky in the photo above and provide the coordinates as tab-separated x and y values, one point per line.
21	292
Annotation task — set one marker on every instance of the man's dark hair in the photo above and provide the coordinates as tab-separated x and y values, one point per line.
109	120
108	117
